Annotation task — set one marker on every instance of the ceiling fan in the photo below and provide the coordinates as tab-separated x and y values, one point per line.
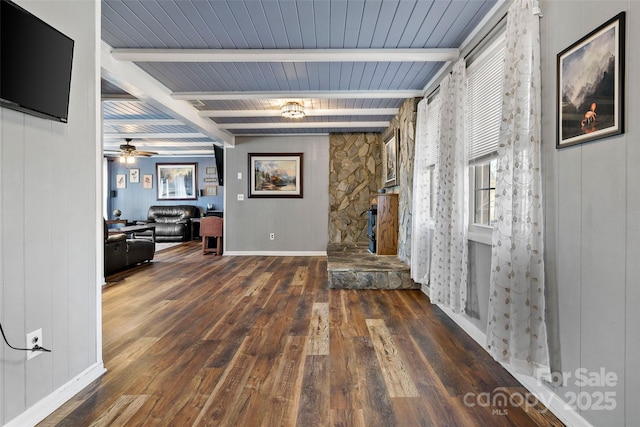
128	152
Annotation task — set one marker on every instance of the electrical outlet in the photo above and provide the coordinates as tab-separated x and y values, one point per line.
272	236
240	197
34	339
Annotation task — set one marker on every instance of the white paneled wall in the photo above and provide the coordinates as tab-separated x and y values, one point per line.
592	210
50	233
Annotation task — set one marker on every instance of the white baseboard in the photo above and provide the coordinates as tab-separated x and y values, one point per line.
551	400
275	253
50	403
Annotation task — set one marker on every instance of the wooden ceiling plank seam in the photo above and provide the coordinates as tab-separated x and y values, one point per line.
149	24
276	23
212	23
458	29
424	34
291	77
306	18
452	11
337	23
252	74
346	71
416	21
292	25
322	15
168	20
334	76
302	75
230	25
378	74
383	24
210	16
353	24
474	22
367	76
356	74
260	24
415	77
200	27
244	21
400	23
369	21
116	33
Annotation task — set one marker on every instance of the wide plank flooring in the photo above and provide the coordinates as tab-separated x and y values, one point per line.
261	341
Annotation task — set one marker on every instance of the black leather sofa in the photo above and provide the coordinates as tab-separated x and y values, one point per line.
121	253
173	222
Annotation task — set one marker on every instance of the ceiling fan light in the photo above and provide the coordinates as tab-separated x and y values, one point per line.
292	110
131	159
123	159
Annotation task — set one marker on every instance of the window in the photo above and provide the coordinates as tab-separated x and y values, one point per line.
485	76
484	192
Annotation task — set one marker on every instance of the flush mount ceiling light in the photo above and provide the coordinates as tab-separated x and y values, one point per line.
292	110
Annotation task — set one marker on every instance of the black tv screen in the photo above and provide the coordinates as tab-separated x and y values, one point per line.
35	64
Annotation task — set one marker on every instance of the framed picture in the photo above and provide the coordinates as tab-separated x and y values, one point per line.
390	159
210	190
134	175
210	170
147	181
275	175
121	181
590	85
176	181
210	179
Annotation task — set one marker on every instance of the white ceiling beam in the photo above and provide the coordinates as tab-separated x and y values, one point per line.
169	135
304	125
285	55
146	122
309	112
283	95
138	83
153	143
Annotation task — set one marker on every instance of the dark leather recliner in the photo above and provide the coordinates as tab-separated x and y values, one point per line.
173	222
121	253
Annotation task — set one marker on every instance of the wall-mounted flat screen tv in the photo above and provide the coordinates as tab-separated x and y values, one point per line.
35	64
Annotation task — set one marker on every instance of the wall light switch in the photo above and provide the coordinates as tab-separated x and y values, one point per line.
240	197
239	175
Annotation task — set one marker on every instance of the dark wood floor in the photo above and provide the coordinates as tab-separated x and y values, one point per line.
261	341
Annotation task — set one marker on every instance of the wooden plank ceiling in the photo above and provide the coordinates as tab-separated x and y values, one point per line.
180	76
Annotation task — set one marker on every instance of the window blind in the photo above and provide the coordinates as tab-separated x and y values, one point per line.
484	100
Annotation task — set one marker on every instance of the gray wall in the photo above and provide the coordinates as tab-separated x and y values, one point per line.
134	201
49	226
300	225
592	239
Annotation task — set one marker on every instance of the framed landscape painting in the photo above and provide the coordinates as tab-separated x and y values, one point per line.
176	181
390	160
590	85
275	175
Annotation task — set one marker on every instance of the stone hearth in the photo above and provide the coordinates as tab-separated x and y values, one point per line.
352	266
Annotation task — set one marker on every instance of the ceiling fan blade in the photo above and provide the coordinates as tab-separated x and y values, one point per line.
145	153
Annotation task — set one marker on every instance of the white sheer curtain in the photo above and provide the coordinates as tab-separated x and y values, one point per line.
516	332
448	270
420	242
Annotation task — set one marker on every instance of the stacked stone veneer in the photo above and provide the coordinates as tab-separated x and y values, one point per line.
354	175
351	266
406	122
